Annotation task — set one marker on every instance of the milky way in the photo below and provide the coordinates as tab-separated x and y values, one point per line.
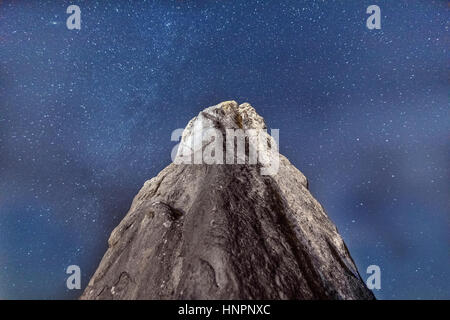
86	117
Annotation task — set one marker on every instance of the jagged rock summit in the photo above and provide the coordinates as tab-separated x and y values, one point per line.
226	231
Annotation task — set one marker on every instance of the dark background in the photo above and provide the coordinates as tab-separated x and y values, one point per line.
86	118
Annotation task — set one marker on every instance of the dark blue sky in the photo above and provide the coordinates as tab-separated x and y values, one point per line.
86	118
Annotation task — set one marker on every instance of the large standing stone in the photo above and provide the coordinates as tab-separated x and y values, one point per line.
200	231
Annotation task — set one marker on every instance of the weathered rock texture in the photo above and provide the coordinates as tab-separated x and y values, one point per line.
226	232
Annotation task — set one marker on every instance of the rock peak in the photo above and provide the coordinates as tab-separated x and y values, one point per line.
217	131
230	114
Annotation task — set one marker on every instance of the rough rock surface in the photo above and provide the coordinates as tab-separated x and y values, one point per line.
199	231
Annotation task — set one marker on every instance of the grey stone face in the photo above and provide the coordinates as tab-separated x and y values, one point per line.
200	231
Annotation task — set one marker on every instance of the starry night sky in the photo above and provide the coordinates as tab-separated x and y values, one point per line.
86	118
